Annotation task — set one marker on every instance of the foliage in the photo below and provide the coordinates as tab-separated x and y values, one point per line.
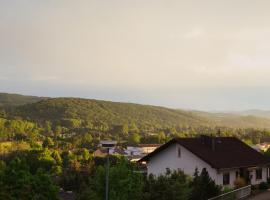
239	183
174	186
16	99
125	183
55	139
16	182
134	139
263	186
203	187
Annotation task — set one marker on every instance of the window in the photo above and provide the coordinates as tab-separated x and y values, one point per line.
179	152
226	178
258	174
236	174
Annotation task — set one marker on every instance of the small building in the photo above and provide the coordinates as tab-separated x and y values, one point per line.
141	149
112	151
225	158
263	147
148	148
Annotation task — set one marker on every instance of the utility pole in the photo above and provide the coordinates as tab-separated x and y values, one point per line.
107	145
107	175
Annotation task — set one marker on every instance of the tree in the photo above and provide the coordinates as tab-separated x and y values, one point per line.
133	128
161	137
57	131
56	156
173	185
16	182
134	139
48	127
126	183
267	153
125	130
48	143
203	187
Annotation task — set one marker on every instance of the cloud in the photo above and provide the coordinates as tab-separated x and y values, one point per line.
134	45
195	33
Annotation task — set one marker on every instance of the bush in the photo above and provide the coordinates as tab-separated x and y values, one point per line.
203	187
226	190
263	186
239	183
253	187
174	185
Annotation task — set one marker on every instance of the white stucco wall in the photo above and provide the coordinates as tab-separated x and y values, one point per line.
254	181
188	162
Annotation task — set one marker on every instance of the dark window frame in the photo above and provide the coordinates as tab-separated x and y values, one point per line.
237	174
259	174
179	152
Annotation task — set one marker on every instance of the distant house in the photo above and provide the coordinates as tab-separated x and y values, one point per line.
100	153
225	159
112	151
141	149
261	147
148	148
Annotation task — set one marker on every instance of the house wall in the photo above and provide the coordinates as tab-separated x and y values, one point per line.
146	150
254	181
188	162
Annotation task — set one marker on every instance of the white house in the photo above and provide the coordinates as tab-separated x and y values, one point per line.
141	149
225	159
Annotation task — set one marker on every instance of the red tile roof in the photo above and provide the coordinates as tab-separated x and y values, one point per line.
229	152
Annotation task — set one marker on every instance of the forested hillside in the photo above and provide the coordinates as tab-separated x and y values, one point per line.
17	99
51	142
110	113
86	111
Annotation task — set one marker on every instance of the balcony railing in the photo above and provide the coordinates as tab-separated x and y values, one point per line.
235	194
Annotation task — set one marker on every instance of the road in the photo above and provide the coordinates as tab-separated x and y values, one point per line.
262	196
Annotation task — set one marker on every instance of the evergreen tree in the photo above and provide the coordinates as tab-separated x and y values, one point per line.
203	187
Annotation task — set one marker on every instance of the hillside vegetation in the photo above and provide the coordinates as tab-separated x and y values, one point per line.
61	110
17	99
107	112
50	143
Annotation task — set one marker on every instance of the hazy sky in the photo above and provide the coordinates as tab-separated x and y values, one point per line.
209	55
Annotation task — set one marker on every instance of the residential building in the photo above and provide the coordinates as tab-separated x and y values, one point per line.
225	158
141	149
263	147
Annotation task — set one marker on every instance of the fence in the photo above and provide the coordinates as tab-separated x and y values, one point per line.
235	194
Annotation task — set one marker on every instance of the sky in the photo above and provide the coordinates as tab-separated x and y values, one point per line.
204	55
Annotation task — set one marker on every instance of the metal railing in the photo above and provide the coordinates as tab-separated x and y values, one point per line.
235	194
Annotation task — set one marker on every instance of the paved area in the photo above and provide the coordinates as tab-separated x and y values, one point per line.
262	196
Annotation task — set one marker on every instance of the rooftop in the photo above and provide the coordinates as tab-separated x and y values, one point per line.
224	152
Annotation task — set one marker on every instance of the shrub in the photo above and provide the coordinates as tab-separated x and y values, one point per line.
239	183
203	187
263	186
253	187
226	190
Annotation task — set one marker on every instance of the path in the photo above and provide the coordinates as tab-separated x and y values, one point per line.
262	196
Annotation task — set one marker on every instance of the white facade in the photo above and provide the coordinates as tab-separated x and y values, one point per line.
176	157
140	150
148	149
133	151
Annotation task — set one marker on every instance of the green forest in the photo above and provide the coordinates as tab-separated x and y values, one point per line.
47	145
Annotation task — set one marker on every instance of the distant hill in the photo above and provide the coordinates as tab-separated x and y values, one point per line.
234	120
258	113
110	113
7	99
